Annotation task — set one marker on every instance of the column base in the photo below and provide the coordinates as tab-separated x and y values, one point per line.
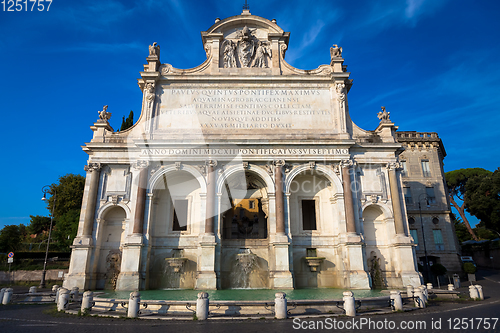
357	280
414	279
80	280
128	281
206	281
281	280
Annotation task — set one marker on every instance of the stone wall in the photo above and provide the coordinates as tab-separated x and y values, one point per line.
29	276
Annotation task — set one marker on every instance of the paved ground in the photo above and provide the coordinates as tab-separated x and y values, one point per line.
441	317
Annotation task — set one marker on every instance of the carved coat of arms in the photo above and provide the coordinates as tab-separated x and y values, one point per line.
247	51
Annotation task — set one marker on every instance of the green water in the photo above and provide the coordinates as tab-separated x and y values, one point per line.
242	294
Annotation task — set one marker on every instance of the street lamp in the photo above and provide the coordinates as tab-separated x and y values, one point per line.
426	266
45	190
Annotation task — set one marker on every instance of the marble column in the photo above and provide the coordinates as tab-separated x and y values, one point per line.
210	198
140	200
395	198
94	170
280	209
348	202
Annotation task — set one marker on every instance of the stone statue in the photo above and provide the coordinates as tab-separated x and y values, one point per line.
229	49
384	116
246	46
261	54
335	51
150	95
154	50
104	115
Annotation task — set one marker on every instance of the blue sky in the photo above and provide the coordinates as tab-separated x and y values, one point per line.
434	64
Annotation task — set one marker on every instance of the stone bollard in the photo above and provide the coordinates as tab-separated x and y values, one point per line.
7	295
75	292
55	287
87	300
424	292
473	292
133	304
398	301
202	306
480	292
280	305
2	292
451	287
349	304
32	290
57	294
63	300
429	286
409	291
419	298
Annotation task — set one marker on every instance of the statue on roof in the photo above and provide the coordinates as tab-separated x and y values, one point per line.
154	50
335	52
104	115
384	116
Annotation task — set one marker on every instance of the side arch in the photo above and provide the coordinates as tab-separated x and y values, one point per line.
109	205
387	213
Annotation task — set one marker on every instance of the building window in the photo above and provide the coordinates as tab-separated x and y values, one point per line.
180	215
404	172
431	196
411	220
414	235
426	171
438	239
308	214
251	204
407	194
435	220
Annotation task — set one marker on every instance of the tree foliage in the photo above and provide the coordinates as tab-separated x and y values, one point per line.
68	194
38	224
456	181
483	199
127	123
11	237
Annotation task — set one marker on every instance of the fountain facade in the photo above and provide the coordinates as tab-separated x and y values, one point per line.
243	152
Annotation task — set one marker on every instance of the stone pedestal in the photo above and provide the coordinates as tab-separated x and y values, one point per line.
129	278
281	277
206	277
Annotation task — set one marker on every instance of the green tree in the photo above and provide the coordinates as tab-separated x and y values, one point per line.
483	199
38	224
11	237
69	193
460	229
127	123
456	181
65	229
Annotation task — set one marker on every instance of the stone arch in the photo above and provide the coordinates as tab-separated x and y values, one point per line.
327	172
102	211
170	168
386	211
251	168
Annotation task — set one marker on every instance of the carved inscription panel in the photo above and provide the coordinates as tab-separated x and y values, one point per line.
245	109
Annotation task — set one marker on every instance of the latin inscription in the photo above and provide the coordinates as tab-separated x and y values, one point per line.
244	151
246	109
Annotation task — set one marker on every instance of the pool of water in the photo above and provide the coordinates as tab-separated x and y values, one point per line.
242	294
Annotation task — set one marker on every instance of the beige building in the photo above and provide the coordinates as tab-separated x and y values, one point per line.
426	198
245	172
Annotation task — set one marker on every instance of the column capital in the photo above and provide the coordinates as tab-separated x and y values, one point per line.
279	163
211	163
347	163
92	167
394	166
140	164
